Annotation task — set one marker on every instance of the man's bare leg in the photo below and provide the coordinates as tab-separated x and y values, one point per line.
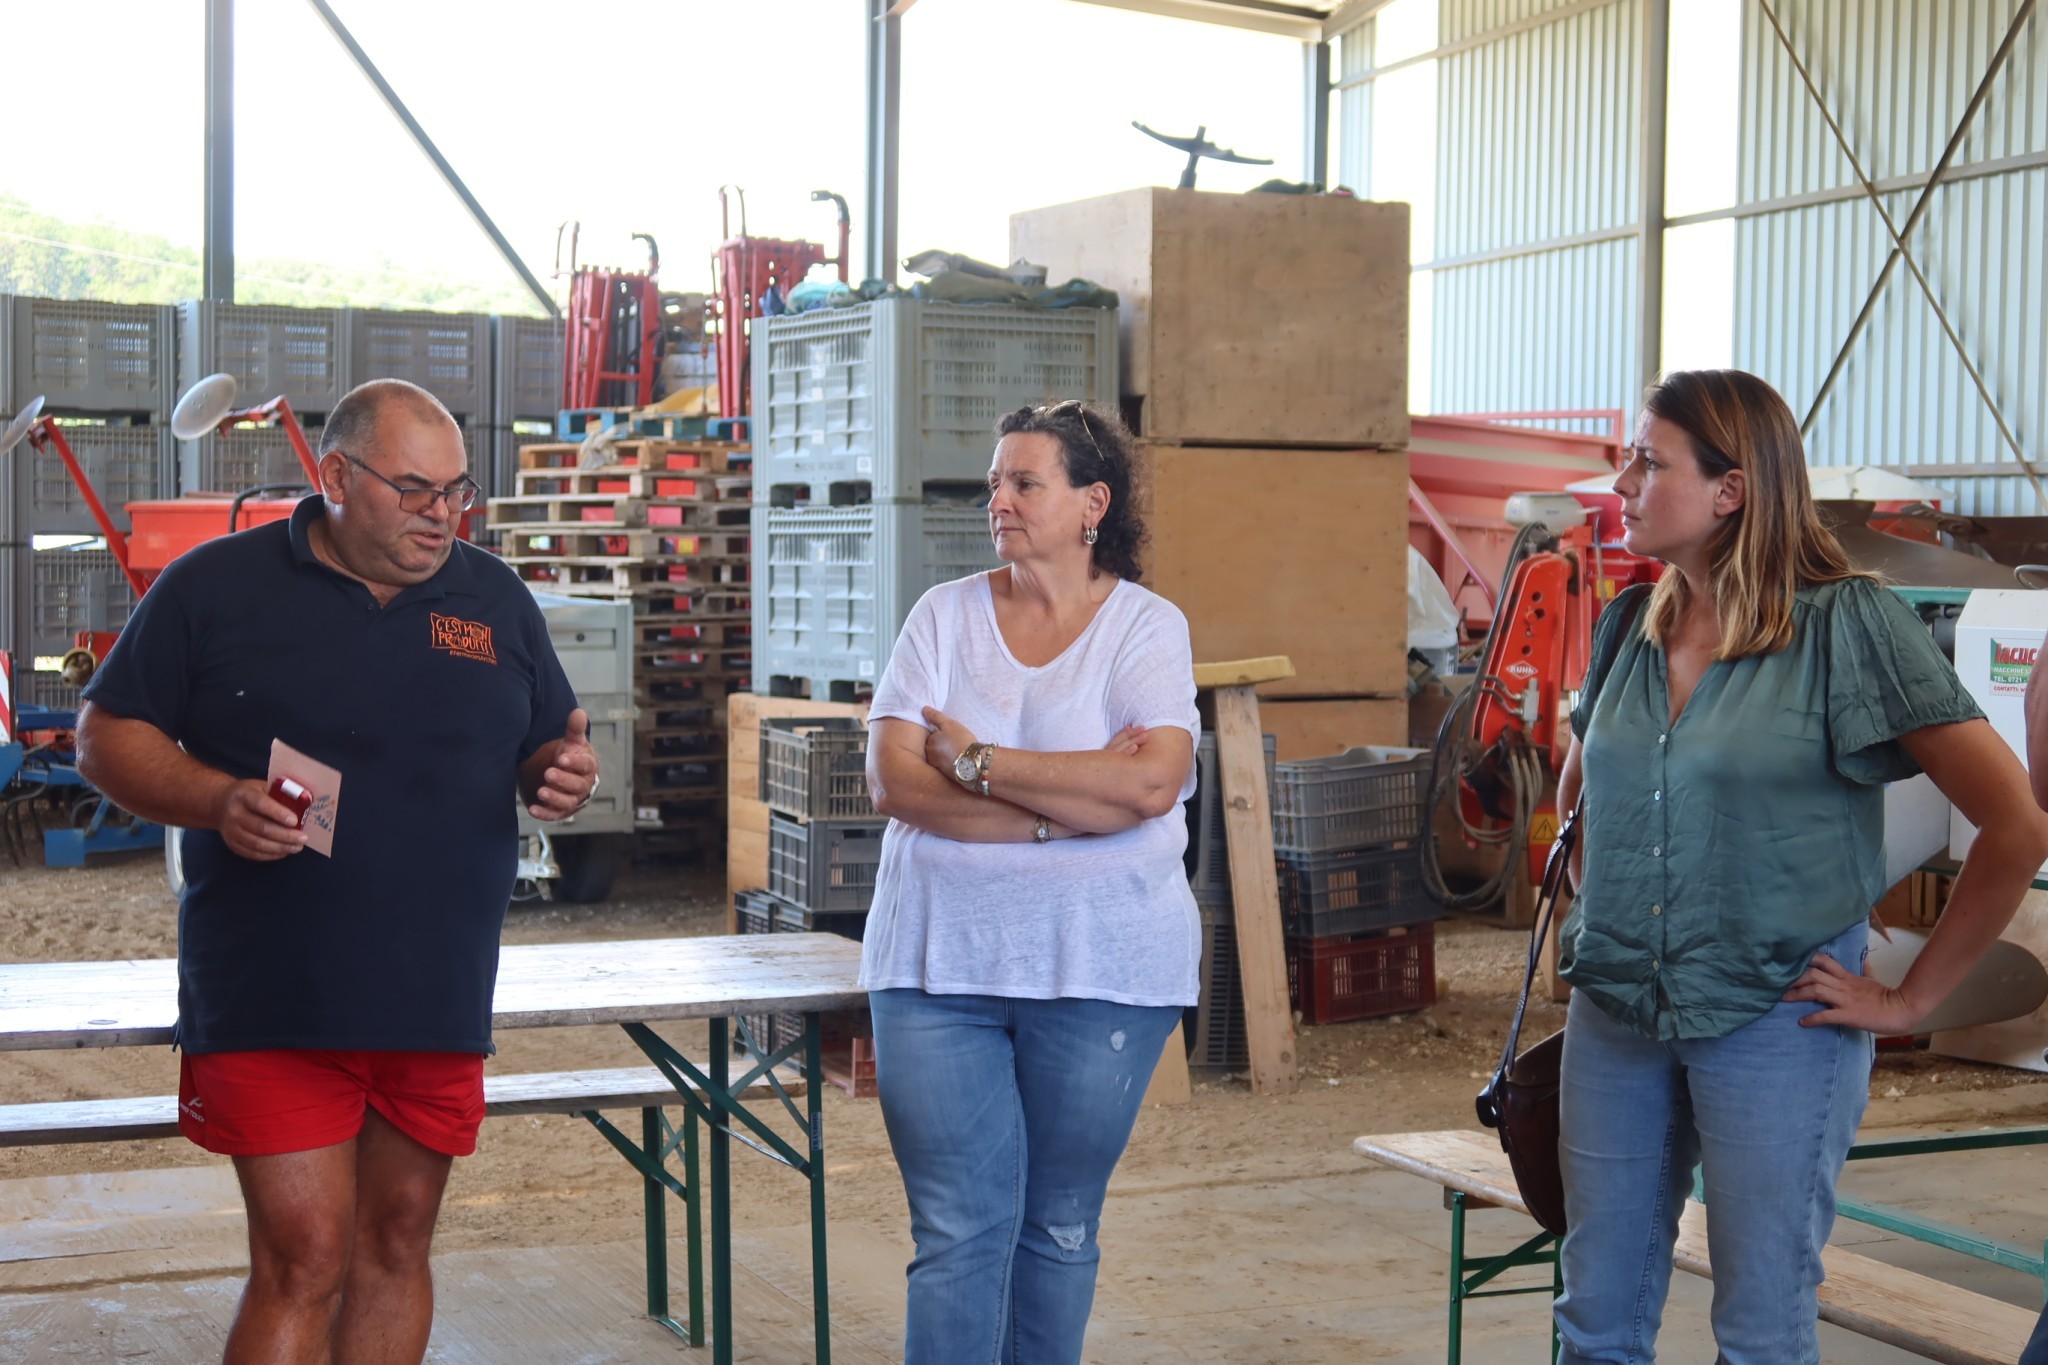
302	1212
387	1306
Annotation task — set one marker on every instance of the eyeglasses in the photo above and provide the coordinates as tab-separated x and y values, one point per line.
461	495
1074	407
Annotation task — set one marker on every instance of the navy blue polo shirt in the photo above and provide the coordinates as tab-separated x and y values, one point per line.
426	706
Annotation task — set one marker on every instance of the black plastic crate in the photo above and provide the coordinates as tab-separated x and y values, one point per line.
763	912
1323	895
1360	798
826	865
815	768
1215	1027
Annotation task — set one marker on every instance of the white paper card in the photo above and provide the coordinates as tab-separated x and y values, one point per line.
317	778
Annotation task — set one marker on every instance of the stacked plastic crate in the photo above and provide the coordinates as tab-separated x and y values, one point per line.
108	372
1215	1028
526	393
1347	832
447	354
665	526
824	850
298	354
872	431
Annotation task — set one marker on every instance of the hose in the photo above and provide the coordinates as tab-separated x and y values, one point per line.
1455	757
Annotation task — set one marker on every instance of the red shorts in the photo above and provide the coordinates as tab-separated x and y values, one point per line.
267	1103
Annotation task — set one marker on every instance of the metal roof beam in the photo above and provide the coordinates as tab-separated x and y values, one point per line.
1259	16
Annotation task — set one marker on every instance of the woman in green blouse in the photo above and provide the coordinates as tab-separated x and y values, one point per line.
1732	759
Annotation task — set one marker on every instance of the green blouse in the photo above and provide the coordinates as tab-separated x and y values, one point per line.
1722	850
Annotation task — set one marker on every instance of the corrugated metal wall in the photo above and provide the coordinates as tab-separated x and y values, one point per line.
1534	257
1353	59
1899	74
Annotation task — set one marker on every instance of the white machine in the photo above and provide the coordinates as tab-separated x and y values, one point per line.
1997	638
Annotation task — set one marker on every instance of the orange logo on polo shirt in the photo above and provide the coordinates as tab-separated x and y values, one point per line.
464	639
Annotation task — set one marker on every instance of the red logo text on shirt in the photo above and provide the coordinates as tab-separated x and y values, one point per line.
465	639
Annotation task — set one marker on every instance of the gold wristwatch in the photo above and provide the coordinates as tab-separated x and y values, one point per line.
970	767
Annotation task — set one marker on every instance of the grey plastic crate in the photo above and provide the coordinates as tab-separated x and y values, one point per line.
46	688
527	365
72	590
6	355
125	464
1328	895
1208	853
827	865
234	458
85	356
816	768
900	393
301	354
1364	797
447	354
833	585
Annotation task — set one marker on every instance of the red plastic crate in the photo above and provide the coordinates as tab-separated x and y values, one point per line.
1335	979
850	1065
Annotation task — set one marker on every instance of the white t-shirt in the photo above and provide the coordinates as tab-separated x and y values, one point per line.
1099	917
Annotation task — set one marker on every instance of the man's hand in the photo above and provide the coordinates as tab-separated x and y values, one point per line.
256	827
571	774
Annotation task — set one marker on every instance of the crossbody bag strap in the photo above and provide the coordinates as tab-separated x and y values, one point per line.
1556	866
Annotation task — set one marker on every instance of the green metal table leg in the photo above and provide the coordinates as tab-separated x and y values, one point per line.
1457	1326
721	1198
656	1220
693	1215
814	1085
1556	1292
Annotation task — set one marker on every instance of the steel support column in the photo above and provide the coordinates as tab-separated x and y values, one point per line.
1315	112
218	254
441	163
885	98
1650	192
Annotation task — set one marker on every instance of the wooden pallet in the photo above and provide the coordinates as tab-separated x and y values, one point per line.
629	481
627	578
669	636
623	544
614	511
698	613
644	454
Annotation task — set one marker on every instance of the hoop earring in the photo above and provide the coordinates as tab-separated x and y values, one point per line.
1088	535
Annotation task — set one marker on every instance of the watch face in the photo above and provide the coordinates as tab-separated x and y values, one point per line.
965	768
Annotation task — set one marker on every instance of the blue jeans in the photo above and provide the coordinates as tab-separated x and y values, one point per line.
1768	1113
1007	1117
2037	1344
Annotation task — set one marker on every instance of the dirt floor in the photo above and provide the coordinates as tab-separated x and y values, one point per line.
542	1182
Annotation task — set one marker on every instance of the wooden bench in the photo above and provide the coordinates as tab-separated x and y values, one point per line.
58	1122
1912	1312
582	1093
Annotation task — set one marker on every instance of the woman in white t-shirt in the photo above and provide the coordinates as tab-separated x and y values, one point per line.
1033	939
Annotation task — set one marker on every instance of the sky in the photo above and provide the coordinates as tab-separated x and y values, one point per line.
625	115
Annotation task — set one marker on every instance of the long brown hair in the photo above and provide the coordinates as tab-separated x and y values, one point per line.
1775	544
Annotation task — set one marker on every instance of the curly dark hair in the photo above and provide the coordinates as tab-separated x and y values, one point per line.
1095	447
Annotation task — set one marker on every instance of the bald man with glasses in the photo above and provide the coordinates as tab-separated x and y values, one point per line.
334	1011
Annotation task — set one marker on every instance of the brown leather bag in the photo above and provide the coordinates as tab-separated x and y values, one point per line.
1520	1102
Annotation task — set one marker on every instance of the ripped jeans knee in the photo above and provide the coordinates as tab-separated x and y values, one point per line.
1070	1238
